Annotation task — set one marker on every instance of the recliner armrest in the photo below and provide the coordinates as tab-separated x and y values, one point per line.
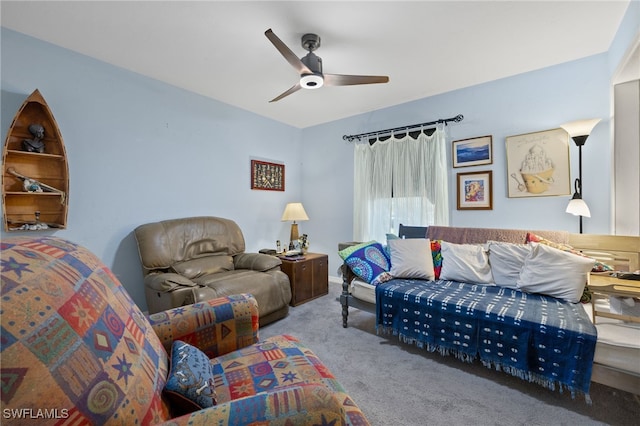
216	326
256	262
167	281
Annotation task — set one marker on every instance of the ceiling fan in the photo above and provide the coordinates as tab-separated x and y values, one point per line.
310	67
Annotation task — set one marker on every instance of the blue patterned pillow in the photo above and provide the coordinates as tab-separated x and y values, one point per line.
369	261
190	384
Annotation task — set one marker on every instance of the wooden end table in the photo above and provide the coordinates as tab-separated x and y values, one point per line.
309	277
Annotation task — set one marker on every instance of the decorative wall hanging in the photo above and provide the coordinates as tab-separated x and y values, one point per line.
35	187
472	152
267	176
538	164
475	191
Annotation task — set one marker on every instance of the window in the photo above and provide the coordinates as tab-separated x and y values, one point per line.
400	181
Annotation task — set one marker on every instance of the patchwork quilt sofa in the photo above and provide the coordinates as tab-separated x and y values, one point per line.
77	350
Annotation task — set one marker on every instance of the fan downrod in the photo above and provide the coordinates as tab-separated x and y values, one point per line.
311	41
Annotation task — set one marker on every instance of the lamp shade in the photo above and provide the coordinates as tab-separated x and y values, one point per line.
580	127
578	207
294	211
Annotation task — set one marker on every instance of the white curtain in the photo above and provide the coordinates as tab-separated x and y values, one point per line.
400	181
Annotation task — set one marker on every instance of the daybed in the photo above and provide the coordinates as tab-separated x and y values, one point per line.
193	259
77	350
554	339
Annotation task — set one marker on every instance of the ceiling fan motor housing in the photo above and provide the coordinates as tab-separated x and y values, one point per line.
314	80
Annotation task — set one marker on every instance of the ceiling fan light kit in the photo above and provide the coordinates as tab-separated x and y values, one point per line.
310	67
311	81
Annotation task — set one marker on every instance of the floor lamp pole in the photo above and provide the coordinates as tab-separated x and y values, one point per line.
580	176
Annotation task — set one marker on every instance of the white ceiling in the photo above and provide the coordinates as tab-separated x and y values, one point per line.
218	49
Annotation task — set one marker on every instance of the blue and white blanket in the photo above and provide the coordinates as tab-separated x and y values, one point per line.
534	337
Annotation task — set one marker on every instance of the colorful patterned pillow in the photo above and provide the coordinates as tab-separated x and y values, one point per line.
190	383
597	267
534	238
436	254
601	267
369	261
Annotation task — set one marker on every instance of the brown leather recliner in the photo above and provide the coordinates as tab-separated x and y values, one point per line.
188	260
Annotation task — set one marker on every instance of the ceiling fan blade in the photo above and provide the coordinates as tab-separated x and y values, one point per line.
287	53
349	80
291	90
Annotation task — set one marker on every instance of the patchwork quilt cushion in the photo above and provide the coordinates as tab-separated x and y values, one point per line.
369	261
276	363
190	378
466	263
555	272
73	340
411	258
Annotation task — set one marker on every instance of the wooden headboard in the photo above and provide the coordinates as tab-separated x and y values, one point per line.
619	251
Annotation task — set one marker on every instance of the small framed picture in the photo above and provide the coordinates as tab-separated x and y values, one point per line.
473	152
267	176
538	164
475	191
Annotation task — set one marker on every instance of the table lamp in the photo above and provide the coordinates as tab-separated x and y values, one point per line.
293	212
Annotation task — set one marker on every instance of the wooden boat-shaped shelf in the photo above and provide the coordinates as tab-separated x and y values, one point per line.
35	189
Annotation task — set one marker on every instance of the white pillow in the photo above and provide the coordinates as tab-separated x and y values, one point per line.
506	261
411	258
466	263
554	272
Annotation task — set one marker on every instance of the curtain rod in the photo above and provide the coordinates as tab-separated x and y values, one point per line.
458	118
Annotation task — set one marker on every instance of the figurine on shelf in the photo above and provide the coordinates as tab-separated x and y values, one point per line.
35	226
36	144
31	185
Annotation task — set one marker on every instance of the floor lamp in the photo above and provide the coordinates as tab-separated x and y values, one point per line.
579	132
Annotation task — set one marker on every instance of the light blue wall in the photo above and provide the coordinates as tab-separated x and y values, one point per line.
531	102
627	33
140	151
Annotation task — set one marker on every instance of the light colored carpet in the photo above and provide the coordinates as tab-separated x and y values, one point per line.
399	384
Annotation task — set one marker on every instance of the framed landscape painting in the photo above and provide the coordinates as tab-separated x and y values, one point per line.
472	152
475	191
